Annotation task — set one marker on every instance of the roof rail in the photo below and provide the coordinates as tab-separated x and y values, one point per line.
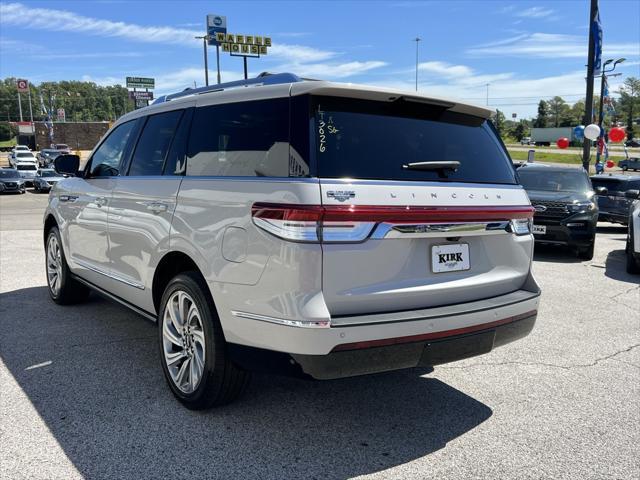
265	78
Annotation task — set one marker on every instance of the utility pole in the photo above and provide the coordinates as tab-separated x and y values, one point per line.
417	40
205	38
603	82
30	109
588	109
20	106
488	94
218	62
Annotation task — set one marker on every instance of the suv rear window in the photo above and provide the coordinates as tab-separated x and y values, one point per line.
550	180
373	140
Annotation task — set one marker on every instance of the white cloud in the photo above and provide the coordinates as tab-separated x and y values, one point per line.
535	12
333	71
445	69
549	45
61	20
41	18
299	53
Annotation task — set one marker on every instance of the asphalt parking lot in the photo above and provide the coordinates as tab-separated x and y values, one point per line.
82	394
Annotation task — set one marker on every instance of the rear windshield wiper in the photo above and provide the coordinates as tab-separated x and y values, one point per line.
440	167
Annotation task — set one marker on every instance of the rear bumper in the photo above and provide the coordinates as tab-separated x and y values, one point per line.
355	345
398	353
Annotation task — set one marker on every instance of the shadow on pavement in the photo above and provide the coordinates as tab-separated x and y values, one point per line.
612	228
554	254
104	399
616	268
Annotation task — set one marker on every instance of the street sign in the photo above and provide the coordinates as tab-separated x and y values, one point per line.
215	24
514	115
61	115
140	82
141	95
243	45
23	85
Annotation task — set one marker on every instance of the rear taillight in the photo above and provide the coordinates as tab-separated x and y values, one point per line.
354	223
308	223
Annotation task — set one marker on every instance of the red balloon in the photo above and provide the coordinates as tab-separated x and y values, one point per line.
616	134
610	164
562	142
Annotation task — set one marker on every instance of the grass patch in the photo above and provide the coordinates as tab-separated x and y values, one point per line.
548	157
8	143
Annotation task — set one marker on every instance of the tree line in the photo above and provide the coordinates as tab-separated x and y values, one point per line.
82	101
558	113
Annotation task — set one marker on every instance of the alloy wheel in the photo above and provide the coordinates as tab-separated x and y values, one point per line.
54	265
183	341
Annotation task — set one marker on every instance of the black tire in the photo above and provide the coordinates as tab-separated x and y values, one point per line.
586	253
625	168
633	264
221	381
70	291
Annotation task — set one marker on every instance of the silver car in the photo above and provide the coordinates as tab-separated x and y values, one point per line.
312	228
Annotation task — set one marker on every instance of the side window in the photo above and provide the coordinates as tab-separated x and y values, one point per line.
176	162
105	162
154	143
247	139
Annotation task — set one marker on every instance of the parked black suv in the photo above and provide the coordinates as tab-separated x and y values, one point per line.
613	204
565	210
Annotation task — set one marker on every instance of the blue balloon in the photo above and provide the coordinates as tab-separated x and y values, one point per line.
578	132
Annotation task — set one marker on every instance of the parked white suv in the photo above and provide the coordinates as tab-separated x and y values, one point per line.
312	228
633	233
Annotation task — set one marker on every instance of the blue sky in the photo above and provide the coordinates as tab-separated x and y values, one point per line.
524	50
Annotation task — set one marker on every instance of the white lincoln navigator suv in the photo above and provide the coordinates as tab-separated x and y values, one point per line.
311	228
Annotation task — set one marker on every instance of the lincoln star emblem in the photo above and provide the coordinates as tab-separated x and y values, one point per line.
341	195
540	208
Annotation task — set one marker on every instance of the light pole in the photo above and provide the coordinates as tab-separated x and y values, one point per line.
603	80
417	40
204	39
488	93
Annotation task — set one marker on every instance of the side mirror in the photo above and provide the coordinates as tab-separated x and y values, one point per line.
601	190
67	164
632	194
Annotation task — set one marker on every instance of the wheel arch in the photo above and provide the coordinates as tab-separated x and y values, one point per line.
170	265
49	223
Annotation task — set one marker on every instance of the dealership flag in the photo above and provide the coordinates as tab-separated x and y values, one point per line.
596	28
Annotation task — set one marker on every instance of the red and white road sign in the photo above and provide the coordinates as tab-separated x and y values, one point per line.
23	85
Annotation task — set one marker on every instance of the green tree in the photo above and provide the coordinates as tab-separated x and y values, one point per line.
558	110
7	131
499	122
629	103
518	131
543	112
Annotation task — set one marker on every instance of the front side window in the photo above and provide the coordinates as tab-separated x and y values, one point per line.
154	143
248	139
107	158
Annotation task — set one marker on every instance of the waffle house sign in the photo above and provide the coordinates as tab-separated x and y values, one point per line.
243	45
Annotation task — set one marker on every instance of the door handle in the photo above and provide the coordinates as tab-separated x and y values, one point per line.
68	198
157	207
101	201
